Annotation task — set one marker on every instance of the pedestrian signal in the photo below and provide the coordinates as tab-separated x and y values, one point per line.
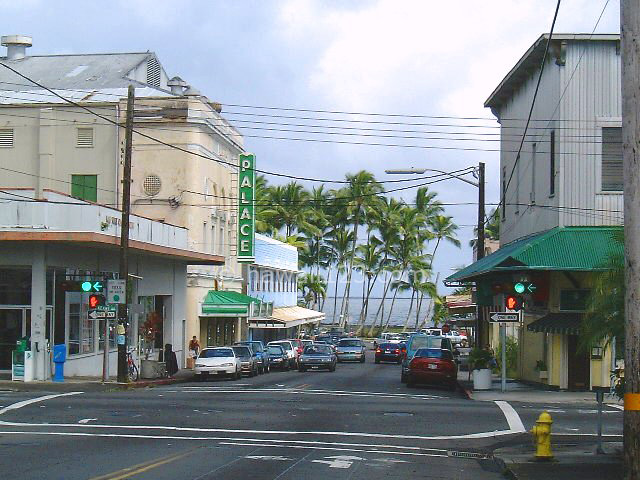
96	301
513	302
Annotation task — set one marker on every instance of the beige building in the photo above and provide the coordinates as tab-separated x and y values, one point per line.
184	152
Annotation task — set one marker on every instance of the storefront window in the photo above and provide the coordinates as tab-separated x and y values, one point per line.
112	334
81	328
15	286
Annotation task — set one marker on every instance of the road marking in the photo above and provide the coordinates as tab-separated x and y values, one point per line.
143	467
269	457
513	419
87	420
340	461
24	403
613	405
302	390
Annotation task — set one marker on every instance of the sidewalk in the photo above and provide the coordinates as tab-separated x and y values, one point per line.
570	461
520	392
90	384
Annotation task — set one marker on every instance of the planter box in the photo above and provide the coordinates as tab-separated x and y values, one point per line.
482	379
544	374
150	369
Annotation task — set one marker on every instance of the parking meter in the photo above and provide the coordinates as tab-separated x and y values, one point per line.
59	357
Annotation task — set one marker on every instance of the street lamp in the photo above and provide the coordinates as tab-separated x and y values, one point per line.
480	240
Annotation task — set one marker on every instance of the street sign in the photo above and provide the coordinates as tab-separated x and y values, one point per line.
246	209
94	314
116	291
504	317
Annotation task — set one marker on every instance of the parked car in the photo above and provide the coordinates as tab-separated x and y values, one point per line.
278	358
219	361
433	365
390	352
322	342
298	345
261	354
248	360
419	341
289	350
350	349
318	356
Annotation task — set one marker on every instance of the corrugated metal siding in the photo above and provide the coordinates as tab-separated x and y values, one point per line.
592	99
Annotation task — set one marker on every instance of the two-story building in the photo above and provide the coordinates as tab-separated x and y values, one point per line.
562	207
185	153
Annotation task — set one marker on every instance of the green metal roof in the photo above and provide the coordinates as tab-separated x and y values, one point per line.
218	302
558	322
561	248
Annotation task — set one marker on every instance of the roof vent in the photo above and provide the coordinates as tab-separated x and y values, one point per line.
192	92
16	45
177	85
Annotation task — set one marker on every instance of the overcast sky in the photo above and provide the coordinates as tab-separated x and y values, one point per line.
388	56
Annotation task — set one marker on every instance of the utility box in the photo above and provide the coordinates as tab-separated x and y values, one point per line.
22	366
59	357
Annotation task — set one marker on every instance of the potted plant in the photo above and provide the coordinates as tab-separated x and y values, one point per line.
541	367
479	361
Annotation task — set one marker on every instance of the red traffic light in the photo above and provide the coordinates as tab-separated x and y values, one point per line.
95	301
513	302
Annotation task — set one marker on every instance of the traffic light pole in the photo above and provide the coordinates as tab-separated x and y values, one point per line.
480	253
630	37
123	375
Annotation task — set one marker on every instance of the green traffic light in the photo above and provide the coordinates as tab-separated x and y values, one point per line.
519	287
86	286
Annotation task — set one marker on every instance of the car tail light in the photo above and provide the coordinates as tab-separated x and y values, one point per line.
396	351
378	350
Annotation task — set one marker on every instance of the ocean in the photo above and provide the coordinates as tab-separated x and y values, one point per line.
398	315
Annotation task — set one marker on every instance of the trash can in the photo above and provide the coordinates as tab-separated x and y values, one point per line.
59	357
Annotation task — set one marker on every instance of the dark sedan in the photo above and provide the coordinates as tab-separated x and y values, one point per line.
317	356
389	352
248	360
278	358
350	349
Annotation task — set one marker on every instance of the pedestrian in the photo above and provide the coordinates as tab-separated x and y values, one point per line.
194	347
170	360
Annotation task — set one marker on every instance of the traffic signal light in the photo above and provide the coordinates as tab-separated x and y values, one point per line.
95	301
513	302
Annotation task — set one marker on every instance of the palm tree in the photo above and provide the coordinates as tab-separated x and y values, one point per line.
491	228
369	262
313	287
340	242
288	208
358	193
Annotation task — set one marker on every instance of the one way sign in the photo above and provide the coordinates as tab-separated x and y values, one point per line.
504	317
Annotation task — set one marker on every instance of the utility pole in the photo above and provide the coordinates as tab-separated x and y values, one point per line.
480	252
123	317
630	49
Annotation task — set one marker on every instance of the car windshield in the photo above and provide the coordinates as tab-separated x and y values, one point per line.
216	352
242	351
349	343
256	347
388	346
429	353
275	349
317	350
285	346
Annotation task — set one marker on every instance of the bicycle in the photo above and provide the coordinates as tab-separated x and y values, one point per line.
132	369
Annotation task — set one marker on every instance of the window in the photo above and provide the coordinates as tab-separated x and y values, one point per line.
552	163
85	187
504	193
213	238
532	196
6	137
611	159
205	229
84	138
81	327
574	300
221	238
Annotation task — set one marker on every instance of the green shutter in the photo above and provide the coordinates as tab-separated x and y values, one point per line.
85	187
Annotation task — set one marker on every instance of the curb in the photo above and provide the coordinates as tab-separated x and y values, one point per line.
89	386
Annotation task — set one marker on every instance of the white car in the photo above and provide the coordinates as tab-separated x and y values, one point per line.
289	349
218	361
388	337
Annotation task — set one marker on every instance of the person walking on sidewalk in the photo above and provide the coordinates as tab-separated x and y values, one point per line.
171	360
194	347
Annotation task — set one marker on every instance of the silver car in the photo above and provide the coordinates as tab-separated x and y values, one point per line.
350	349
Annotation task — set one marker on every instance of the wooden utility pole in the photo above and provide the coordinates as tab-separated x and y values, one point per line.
630	48
480	252
123	317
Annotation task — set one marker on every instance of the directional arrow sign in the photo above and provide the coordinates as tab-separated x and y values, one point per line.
340	461
96	314
532	287
97	287
504	317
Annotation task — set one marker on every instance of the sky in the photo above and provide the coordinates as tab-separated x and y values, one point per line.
409	57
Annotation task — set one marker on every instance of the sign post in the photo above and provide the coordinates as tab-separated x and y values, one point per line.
503	318
246	208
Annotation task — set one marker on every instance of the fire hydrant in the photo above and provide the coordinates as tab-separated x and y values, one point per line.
542	436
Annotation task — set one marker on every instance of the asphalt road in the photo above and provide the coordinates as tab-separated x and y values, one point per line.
357	422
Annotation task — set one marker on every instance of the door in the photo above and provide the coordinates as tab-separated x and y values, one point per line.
11	326
578	365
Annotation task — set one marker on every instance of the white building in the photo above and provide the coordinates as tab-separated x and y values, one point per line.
49	242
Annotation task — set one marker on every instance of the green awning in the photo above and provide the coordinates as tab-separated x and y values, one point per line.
223	303
567	323
560	249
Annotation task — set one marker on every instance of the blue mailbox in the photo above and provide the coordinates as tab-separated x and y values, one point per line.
59	357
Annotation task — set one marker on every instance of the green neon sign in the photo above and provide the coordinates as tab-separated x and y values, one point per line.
246	209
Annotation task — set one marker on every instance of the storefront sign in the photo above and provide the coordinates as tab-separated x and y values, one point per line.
246	209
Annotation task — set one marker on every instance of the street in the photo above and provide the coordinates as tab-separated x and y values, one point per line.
357	422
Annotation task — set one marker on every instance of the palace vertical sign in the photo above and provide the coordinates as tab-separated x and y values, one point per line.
246	208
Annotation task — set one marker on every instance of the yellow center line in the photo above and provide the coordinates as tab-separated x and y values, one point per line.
143	467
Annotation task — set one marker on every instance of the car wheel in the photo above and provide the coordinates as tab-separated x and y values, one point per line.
377	360
362	359
399	361
403	377
238	374
332	368
267	369
410	383
302	369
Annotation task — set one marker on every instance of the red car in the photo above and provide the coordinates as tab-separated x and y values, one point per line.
433	366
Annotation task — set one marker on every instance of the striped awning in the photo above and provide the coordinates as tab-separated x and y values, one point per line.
566	323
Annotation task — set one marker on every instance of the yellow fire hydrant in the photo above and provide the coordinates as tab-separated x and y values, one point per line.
542	436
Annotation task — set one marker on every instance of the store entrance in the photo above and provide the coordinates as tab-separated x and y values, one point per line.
15	323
